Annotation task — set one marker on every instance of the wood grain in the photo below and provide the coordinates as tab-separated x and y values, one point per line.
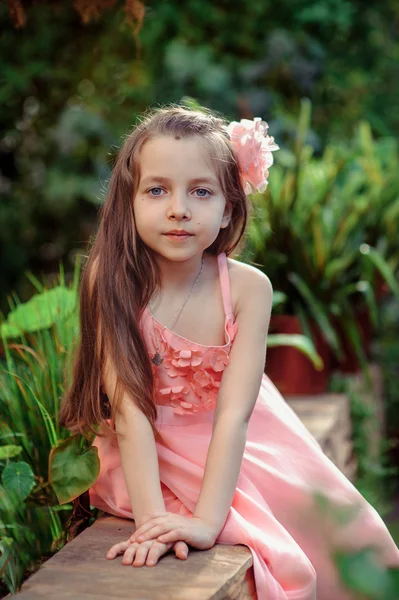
80	571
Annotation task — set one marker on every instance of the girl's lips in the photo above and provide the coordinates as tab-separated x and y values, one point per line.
178	237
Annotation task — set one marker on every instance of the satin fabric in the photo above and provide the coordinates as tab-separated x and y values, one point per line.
292	506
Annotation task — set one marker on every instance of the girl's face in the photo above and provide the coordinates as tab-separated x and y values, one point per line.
178	190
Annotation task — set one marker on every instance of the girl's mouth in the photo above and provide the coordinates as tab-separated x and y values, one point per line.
178	237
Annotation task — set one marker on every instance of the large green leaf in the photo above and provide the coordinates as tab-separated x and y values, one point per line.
18	478
40	312
300	342
71	470
9	451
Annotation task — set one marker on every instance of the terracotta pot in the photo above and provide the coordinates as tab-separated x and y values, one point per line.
291	371
350	362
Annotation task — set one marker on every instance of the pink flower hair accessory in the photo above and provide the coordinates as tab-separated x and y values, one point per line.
254	149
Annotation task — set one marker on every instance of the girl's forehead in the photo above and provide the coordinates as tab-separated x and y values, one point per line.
166	154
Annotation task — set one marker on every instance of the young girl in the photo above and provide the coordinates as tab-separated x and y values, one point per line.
196	444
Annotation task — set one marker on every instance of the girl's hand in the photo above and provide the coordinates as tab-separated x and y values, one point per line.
146	553
169	527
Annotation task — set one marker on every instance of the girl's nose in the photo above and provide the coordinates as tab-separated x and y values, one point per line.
179	205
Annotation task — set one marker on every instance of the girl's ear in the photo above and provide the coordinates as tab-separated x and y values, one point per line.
228	209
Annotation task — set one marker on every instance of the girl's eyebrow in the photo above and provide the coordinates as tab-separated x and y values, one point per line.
194	181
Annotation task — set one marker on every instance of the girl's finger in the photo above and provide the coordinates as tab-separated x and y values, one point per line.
171	536
141	555
181	550
154	554
129	554
144	528
117	549
153	533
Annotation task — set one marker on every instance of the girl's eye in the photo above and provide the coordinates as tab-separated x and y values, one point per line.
152	191
203	190
157	191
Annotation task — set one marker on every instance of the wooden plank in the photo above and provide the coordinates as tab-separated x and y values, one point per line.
81	571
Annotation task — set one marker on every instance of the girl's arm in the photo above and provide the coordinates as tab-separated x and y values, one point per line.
136	443
141	472
237	396
138	453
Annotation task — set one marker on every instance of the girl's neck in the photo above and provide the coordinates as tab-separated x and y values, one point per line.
180	275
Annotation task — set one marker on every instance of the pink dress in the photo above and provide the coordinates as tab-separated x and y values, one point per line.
274	511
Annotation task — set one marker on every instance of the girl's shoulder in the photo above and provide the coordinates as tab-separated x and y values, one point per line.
245	280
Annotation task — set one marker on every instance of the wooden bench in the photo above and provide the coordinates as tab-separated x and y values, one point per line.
80	570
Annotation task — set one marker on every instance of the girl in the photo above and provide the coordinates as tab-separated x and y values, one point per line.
196	444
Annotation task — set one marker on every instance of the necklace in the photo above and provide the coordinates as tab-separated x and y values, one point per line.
157	358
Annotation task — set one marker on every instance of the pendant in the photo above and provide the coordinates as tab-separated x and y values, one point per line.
157	359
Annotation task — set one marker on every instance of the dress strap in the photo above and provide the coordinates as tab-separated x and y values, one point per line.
225	283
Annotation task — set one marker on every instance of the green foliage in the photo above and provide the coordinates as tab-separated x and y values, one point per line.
313	228
71	90
71	471
300	342
18	479
38	340
362	574
9	451
374	470
386	349
42	311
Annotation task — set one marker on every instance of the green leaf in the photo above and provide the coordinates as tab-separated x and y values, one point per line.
361	573
300	342
278	298
303	124
319	241
381	264
393	575
336	266
318	312
6	544
18	478
40	312
71	471
9	566
9	451
350	327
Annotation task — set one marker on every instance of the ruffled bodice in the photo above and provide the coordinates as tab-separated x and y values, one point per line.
189	378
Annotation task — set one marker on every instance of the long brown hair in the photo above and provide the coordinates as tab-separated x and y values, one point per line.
126	275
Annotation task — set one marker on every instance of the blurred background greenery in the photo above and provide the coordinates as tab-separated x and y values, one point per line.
74	76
